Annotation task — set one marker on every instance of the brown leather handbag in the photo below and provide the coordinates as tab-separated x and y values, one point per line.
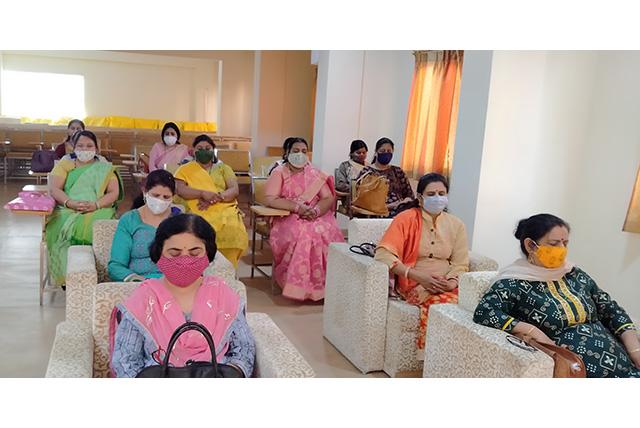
371	194
567	363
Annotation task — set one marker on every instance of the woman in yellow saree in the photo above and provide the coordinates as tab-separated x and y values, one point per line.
210	189
86	190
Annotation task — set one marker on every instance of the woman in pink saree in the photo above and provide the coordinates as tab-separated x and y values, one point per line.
300	241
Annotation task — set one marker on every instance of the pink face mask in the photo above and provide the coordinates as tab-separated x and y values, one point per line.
183	271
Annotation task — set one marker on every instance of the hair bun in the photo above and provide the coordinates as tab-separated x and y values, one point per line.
522	225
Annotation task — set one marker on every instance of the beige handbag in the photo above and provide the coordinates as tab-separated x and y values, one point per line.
371	194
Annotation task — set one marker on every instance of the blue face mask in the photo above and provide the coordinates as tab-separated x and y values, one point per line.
384	158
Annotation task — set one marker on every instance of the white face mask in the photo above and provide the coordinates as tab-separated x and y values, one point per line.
299	160
170	140
85	155
434	204
156	205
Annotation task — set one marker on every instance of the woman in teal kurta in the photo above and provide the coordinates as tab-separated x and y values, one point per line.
130	260
552	300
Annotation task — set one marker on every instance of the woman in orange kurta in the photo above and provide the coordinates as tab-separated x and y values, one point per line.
426	248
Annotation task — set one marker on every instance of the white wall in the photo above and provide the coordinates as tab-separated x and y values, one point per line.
128	84
561	136
360	95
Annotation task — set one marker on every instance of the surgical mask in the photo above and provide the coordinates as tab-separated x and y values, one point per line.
183	271
204	156
299	159
156	205
170	140
551	257
434	204
85	155
384	158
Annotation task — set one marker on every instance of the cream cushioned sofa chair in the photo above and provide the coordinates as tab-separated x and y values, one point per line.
373	331
458	347
81	347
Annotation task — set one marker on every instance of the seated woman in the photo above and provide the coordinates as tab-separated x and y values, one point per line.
350	169
130	259
426	248
183	247
400	196
210	189
66	147
300	241
169	151
550	299
86	189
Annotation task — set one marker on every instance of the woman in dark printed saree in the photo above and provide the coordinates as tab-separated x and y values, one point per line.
553	301
400	196
86	189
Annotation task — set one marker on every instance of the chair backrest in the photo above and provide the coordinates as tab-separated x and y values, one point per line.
261	164
472	286
103	232
257	190
274	151
367	230
238	160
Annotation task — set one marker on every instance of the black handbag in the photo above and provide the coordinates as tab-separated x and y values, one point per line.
192	368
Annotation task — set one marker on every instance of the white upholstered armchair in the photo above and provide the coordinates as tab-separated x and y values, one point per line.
81	349
374	332
458	347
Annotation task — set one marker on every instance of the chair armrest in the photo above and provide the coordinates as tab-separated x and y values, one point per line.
268	212
81	279
221	267
478	262
275	354
472	286
72	352
355	306
458	347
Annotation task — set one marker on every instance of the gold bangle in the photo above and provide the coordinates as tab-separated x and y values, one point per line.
635	350
65	203
406	272
530	330
97	205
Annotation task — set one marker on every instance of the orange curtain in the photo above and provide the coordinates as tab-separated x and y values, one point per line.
433	113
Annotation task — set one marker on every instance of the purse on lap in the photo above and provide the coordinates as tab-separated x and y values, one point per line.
192	368
371	194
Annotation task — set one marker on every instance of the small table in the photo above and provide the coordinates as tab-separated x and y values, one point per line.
259	211
44	271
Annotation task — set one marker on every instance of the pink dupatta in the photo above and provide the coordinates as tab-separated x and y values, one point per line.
216	306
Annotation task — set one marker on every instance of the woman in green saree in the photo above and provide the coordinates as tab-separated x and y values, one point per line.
86	190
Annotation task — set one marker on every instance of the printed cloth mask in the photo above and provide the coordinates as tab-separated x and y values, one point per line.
299	160
204	156
170	140
85	155
183	271
156	205
551	257
384	158
434	204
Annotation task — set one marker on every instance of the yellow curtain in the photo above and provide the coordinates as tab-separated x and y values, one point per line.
433	113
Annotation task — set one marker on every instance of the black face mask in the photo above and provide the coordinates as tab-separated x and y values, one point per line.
384	158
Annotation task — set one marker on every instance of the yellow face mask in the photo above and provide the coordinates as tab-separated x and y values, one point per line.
551	257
